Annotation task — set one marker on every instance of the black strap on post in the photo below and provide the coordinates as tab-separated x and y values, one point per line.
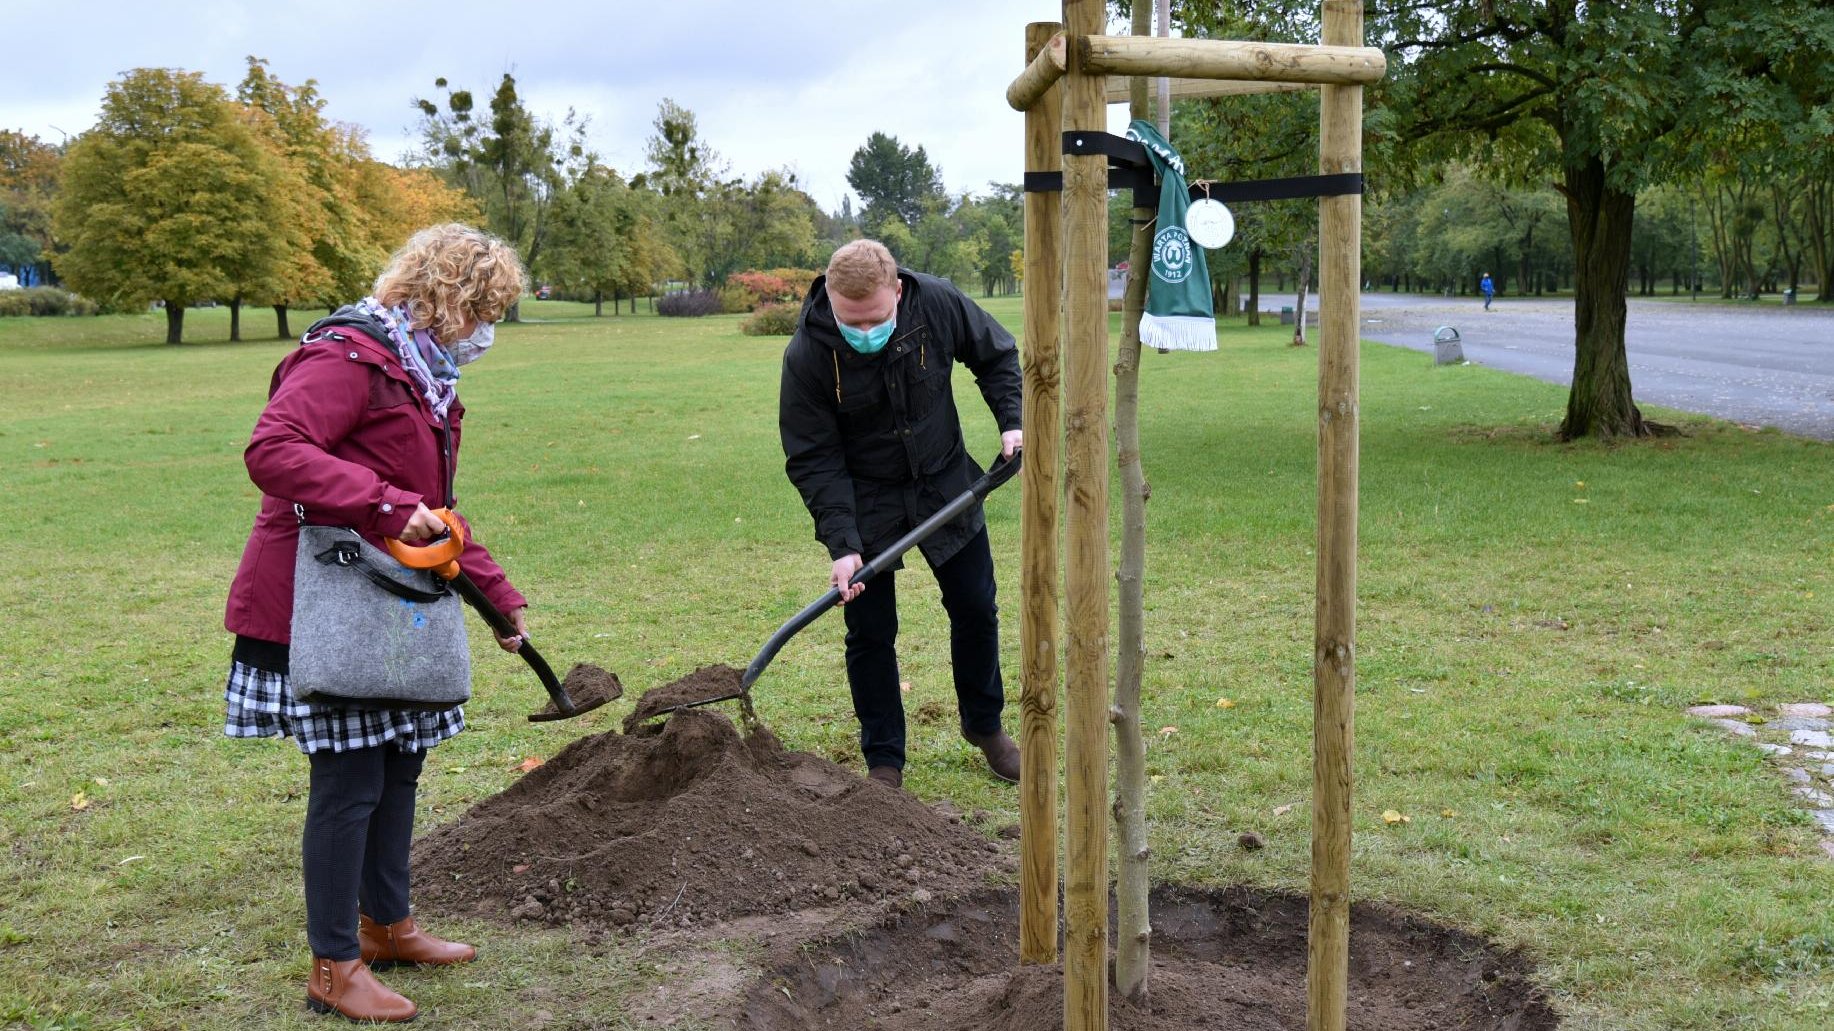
1130	168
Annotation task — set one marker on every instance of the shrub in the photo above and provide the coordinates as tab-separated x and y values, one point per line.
795	280
45	300
689	304
772	320
735	299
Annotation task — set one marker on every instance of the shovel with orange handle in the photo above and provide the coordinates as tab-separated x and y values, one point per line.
441	558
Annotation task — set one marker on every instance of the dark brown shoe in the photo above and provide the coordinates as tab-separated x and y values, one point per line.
890	776
387	945
1002	754
348	989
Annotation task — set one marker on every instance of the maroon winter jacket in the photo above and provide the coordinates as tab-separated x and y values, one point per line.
348	436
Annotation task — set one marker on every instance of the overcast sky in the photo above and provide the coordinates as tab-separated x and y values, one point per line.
789	84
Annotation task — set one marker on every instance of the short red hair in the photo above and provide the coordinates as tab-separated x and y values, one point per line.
861	267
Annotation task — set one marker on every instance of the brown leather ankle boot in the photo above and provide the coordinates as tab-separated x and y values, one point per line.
1002	753
348	989
387	945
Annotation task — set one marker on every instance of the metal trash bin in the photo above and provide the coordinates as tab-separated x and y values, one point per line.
1286	315
1447	350
1789	295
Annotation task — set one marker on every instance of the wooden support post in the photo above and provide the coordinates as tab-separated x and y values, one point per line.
1042	71
1086	581
1340	149
1227	59
1191	89
1043	483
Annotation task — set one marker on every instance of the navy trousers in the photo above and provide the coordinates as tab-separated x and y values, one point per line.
359	824
974	650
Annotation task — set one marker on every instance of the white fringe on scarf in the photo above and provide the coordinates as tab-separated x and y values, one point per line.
1177	332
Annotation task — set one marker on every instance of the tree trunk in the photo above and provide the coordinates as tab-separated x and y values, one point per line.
235	319
280	318
1599	403
598	304
1254	287
175	322
1133	931
1305	276
514	314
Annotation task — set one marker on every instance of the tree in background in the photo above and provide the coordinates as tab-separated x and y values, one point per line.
893	180
28	183
396	202
1609	98
340	253
515	164
167	194
597	246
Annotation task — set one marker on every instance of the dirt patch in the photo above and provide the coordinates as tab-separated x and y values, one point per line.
685	822
1232	958
588	686
698	686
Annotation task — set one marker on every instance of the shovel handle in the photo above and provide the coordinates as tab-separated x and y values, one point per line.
441	556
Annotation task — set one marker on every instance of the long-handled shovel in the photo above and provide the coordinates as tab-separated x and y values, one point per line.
1001	471
441	557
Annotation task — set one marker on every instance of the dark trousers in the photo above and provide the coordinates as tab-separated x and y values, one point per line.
974	649
359	822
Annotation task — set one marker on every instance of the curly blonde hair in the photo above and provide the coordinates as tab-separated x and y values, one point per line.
860	267
449	275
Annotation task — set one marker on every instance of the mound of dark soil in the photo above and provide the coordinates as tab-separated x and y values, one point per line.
1221	959
684	822
699	686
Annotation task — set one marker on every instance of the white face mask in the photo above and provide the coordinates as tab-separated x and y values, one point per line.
470	349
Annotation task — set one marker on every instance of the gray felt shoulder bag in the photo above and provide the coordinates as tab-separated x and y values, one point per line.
370	633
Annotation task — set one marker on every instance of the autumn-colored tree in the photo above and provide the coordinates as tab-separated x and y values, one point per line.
28	183
330	250
399	201
169	197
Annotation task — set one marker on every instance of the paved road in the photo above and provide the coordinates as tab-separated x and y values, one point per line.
1765	366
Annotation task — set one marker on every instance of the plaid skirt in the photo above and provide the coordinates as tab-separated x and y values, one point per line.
260	705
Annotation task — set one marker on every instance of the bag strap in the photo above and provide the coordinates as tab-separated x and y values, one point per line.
348	554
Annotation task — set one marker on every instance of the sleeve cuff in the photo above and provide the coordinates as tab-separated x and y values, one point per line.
394	511
840	547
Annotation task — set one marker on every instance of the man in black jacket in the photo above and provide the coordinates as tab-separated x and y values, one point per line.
873	441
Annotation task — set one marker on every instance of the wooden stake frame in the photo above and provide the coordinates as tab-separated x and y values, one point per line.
1073	68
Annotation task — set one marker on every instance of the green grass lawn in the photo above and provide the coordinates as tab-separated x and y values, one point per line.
1533	619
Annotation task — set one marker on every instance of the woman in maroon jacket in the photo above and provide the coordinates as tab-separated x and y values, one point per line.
362	429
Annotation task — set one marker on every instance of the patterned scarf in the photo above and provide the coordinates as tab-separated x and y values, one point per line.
431	365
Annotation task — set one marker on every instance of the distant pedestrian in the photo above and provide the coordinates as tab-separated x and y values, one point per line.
1489	289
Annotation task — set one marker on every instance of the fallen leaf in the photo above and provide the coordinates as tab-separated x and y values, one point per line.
1447	813
1282	810
533	762
1156	778
693	436
1390	817
905	686
1225	703
130	859
519	868
1167	731
102	782
1579	501
1579	484
79	801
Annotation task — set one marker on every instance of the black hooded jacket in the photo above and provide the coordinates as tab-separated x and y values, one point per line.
874	442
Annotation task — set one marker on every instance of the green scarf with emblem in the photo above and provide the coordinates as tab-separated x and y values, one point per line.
1179	313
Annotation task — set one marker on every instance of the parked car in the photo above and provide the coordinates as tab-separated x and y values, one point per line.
543	292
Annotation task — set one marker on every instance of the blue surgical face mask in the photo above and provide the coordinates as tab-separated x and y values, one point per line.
868	341
470	349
